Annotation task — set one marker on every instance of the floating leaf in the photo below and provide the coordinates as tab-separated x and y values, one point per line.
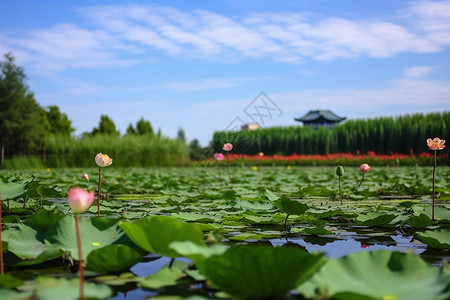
259	271
23	242
291	207
8	294
62	235
378	274
9	281
438	239
49	288
197	252
155	234
420	221
375	218
112	259
163	277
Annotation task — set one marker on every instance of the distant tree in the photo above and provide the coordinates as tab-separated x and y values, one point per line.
159	134
59	122
106	127
23	123
181	136
144	127
130	130
195	150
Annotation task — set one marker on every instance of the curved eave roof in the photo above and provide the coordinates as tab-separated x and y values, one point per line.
315	115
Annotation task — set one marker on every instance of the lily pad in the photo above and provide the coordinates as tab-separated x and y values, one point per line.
49	288
438	239
291	207
375	218
259	271
155	234
112	259
379	275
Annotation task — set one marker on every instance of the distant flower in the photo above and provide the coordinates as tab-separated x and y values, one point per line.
436	143
80	200
261	154
48	169
218	156
255	168
85	176
103	160
364	168
228	147
288	167
364	246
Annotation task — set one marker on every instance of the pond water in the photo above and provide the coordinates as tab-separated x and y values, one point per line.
334	246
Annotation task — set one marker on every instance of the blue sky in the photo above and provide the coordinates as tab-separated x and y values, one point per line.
202	65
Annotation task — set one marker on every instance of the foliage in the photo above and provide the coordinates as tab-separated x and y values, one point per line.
385	135
106	127
59	122
23	123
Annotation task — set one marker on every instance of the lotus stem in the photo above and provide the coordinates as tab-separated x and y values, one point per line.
172	260
340	191
361	181
229	172
80	256
2	271
98	191
434	174
285	223
220	176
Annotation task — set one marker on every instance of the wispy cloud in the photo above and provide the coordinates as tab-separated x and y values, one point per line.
118	35
419	71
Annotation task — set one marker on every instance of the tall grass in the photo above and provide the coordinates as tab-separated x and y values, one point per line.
384	135
127	151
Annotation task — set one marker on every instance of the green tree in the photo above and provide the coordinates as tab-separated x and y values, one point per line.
23	123
181	136
130	130
59	122
144	127
106	127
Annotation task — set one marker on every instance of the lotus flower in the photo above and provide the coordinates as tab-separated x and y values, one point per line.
364	168
218	156
435	144
80	200
85	176
227	147
103	160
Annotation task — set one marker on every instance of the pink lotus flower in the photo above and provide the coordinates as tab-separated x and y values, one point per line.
85	176
218	156
364	246
436	143
227	147
364	168
80	200
103	160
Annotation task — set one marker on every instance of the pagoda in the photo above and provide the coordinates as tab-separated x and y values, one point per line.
317	118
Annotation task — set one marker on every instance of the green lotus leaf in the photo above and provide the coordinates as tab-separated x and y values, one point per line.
9	281
47	255
8	294
112	259
43	219
420	221
197	252
49	288
254	272
163	277
24	243
438	239
379	274
271	196
12	190
63	235
316	230
375	218
156	233
255	206
291	207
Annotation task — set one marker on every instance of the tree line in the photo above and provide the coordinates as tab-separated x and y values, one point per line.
26	128
385	135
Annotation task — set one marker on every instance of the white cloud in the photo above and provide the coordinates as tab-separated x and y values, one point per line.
419	71
121	32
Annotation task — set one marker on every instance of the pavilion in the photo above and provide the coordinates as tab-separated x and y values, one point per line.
317	118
